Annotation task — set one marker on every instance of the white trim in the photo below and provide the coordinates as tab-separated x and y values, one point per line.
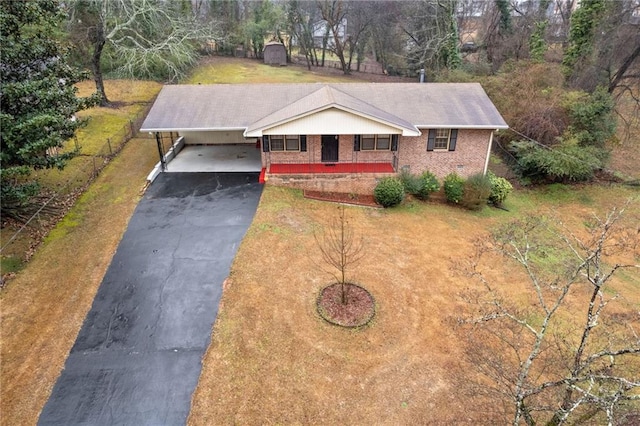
486	162
193	129
457	126
403	130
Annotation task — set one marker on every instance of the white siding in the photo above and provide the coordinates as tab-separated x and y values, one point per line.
215	138
331	122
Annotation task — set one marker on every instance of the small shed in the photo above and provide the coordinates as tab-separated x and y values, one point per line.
275	54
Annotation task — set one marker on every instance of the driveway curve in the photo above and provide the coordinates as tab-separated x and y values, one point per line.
137	358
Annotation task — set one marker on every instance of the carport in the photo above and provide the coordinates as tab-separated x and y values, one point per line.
181	153
215	158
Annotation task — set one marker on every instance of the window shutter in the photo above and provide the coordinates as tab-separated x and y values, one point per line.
394	142
453	137
356	142
303	143
431	141
265	143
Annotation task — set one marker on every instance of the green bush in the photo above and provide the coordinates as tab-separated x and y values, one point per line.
389	192
593	120
453	187
410	182
428	184
477	189
566	162
500	188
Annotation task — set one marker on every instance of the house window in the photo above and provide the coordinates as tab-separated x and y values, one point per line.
375	142
284	143
383	142
442	139
277	143
368	142
292	143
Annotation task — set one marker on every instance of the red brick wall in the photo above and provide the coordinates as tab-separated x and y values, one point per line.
468	158
350	184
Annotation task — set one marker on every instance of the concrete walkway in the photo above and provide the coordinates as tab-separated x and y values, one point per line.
137	358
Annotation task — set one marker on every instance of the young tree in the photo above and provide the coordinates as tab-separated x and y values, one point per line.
38	97
558	354
148	39
340	249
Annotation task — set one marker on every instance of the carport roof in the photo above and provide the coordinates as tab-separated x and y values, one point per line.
256	107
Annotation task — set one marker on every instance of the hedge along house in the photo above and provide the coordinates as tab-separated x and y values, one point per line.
337	137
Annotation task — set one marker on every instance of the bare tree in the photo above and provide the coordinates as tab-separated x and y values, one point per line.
545	360
300	20
334	13
431	31
143	35
340	249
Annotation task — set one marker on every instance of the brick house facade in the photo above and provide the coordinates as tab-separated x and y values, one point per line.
338	137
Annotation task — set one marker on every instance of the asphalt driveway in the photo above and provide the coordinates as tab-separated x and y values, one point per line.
137	358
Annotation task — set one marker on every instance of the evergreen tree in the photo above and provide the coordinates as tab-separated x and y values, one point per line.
39	99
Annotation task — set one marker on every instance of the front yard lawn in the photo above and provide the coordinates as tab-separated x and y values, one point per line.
272	360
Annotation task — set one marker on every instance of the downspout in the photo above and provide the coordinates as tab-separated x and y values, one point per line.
486	162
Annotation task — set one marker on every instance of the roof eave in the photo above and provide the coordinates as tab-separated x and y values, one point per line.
464	126
191	129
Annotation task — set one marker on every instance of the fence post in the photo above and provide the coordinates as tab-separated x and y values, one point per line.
94	166
109	143
133	132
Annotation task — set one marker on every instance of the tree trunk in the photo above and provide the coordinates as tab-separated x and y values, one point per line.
325	41
96	67
619	75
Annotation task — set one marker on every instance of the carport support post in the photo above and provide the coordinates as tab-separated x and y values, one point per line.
163	164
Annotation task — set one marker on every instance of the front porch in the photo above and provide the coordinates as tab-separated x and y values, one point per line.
331	168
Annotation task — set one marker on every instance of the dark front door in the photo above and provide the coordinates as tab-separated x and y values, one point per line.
329	148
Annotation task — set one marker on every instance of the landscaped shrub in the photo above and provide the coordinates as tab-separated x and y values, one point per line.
477	189
389	192
500	188
453	187
410	182
428	184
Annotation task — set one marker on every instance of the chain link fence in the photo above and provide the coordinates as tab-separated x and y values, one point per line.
58	196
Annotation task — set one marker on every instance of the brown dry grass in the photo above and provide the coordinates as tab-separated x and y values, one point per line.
272	360
44	306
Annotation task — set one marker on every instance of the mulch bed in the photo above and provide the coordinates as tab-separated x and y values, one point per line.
341	197
357	312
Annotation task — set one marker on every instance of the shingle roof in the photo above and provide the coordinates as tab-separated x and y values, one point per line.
329	97
244	106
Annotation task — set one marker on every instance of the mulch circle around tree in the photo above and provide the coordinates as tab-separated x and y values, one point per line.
357	312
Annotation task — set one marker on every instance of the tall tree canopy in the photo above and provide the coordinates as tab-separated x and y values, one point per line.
144	38
38	96
432	32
